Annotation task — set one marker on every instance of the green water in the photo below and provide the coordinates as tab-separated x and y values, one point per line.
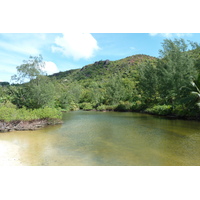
105	139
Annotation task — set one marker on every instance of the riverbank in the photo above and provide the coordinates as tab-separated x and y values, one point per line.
168	111
167	116
20	125
14	119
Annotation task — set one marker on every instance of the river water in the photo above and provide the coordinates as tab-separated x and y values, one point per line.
105	139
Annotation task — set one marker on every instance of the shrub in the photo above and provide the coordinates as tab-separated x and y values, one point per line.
47	112
106	107
101	107
180	111
160	110
86	106
138	106
73	106
124	106
8	104
10	114
185	111
111	107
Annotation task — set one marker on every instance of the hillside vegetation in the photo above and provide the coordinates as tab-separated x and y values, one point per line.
168	85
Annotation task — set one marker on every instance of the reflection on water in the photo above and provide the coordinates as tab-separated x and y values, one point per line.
96	138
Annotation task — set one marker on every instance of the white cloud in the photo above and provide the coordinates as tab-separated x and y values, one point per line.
169	35
50	67
76	45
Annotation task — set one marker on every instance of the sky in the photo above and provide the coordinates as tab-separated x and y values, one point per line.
65	51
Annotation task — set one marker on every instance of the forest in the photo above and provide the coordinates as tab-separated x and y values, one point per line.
168	86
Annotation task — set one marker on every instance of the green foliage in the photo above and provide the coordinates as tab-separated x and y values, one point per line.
187	112
8	104
106	107
47	112
160	110
38	93
72	106
10	113
115	90
165	85
30	70
86	106
138	106
174	70
148	81
196	89
4	96
101	108
110	107
124	106
181	111
4	83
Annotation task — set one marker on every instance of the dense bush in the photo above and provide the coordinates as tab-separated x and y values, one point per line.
86	106
138	106
187	112
72	106
111	107
11	113
8	104
136	83
47	112
101	108
124	106
106	107
180	111
160	110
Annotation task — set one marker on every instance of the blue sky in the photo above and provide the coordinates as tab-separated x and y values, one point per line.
65	51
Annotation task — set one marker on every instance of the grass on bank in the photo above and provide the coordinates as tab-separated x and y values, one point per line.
9	112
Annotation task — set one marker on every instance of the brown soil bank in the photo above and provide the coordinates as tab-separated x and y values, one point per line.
27	125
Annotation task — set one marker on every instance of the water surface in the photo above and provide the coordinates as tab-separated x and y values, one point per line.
105	139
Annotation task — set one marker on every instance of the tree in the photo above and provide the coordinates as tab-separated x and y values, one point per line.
4	83
148	82
115	89
30	70
39	91
175	70
196	89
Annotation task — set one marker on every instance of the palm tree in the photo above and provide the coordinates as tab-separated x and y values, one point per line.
196	89
190	95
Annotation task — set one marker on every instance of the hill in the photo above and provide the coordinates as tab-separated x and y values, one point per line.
105	68
168	85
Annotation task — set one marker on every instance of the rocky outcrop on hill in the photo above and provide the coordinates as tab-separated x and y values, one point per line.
96	64
105	62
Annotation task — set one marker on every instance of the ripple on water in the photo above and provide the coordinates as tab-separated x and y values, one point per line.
111	138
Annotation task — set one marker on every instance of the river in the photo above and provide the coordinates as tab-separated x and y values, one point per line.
105	139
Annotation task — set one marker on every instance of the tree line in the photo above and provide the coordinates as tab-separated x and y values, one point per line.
168	85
